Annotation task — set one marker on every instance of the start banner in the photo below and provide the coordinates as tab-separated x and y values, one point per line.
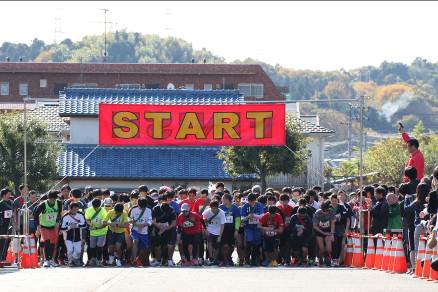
195	125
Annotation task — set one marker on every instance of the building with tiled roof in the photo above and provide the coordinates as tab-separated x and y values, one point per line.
84	163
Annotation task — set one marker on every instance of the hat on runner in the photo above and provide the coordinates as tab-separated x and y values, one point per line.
107	202
185	207
256	189
166	188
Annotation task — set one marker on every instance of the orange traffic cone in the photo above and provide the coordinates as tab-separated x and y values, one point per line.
434	274
10	256
357	261
400	265
392	254
371	253
386	254
33	253
427	262
379	253
25	260
349	252
419	257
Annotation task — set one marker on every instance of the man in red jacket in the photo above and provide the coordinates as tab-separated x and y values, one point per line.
416	158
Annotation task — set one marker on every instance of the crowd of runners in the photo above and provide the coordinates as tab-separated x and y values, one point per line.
220	227
216	226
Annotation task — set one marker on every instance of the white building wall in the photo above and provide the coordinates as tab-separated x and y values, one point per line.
152	184
315	167
84	130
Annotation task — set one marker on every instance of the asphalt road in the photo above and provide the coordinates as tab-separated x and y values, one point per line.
209	279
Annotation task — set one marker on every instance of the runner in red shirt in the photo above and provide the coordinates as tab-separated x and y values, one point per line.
189	235
286	213
190	200
272	226
202	203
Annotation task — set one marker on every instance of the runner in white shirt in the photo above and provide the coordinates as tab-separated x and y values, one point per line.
141	219
214	219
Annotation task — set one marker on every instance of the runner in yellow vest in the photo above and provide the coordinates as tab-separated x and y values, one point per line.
95	216
47	217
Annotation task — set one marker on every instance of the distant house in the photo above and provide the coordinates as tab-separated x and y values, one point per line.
46	80
314	171
122	168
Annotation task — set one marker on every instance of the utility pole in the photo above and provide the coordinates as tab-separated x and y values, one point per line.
105	23
26	199
350	128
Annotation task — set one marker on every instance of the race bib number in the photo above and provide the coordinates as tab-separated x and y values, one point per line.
229	219
271	233
97	221
325	224
188	224
50	217
8	214
253	220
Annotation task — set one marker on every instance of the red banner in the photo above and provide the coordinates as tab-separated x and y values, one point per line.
214	125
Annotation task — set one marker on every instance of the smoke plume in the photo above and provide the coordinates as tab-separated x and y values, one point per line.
389	108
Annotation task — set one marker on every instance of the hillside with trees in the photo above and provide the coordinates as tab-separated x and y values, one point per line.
396	91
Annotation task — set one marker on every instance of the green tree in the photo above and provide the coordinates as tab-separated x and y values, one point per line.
267	160
347	168
388	158
41	154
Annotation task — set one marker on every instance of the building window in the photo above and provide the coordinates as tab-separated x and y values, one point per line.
208	86
59	87
153	86
190	86
4	88
23	89
249	89
43	83
257	90
229	86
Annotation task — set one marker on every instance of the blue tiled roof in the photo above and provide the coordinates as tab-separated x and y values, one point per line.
142	163
85	101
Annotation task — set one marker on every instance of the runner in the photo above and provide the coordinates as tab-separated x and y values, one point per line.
95	216
164	221
72	224
324	226
251	212
18	204
177	209
141	219
240	242
190	200
214	219
117	220
231	229
341	225
286	213
47	217
272	226
301	235
6	220
189	235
